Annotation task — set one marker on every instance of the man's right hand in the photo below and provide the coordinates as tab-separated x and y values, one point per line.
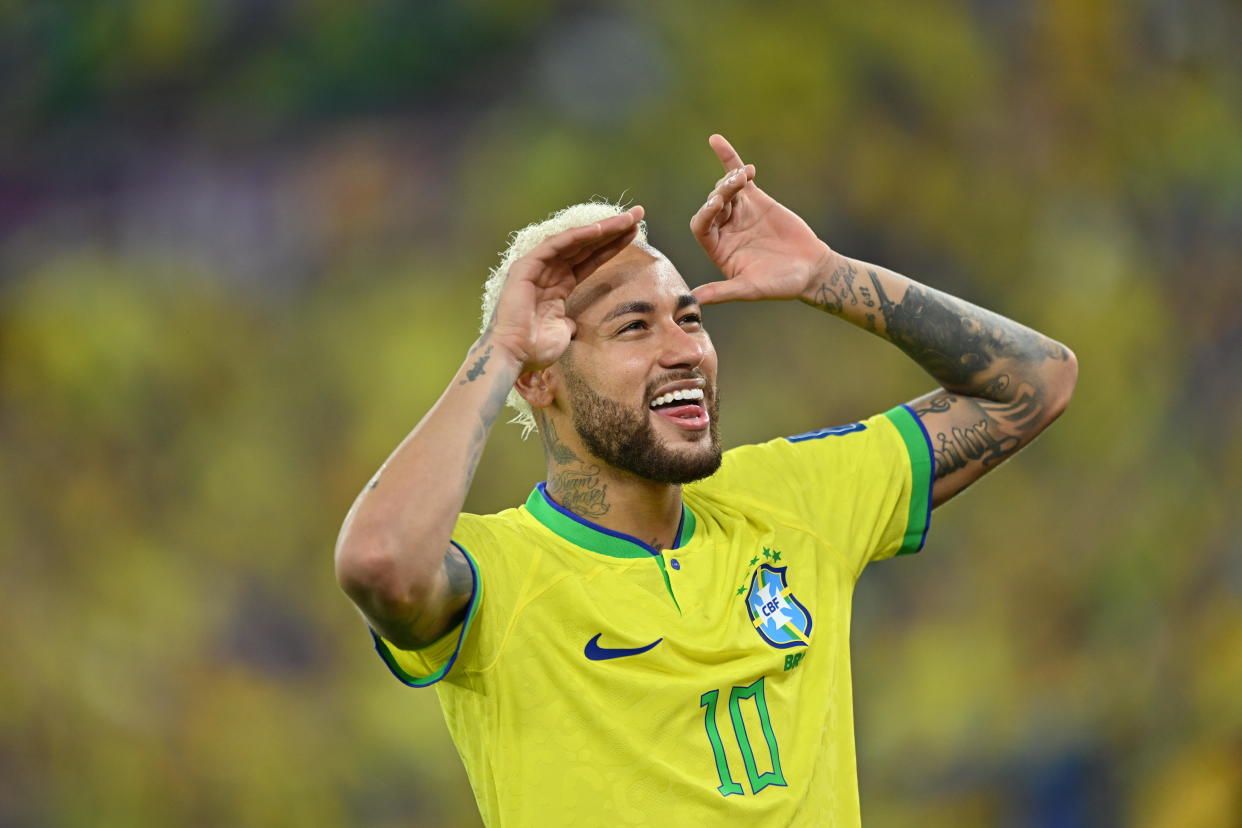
530	319
394	558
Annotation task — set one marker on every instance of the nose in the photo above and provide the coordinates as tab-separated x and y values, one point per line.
682	348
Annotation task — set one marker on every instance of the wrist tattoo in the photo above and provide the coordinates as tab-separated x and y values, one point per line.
838	290
476	370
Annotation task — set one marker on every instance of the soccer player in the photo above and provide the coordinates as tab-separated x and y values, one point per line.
661	633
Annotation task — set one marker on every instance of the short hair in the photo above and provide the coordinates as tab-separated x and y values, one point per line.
522	242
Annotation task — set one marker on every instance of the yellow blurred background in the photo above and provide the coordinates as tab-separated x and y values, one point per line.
241	245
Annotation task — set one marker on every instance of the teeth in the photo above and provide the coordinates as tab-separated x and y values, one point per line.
672	396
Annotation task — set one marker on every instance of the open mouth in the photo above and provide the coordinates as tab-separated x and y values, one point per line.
684	408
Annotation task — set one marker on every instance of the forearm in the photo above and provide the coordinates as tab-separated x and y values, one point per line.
391	551
967	349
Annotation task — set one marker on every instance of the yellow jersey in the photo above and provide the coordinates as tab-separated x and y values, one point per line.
596	680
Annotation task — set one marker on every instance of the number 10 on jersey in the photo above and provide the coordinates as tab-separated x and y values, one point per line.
758	781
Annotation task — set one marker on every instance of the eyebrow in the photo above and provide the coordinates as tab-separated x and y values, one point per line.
683	301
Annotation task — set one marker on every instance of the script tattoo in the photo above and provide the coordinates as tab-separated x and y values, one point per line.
573	483
580	491
962	445
988	430
838	290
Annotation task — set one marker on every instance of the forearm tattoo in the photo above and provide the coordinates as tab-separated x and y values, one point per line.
994	372
961	345
475	371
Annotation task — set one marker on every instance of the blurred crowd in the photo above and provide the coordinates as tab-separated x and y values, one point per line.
241	248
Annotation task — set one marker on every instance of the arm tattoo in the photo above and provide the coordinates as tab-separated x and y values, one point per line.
961	345
999	389
936	405
990	431
460	579
475	371
487	417
953	346
838	290
962	445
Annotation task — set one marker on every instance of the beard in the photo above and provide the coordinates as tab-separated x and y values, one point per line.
624	437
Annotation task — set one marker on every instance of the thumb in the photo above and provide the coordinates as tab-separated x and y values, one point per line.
731	290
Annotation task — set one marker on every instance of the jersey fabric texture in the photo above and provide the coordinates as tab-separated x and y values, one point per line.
598	681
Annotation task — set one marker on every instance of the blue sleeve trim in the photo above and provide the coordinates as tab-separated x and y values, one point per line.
381	646
820	433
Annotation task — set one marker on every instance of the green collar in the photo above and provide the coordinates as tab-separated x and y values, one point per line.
588	535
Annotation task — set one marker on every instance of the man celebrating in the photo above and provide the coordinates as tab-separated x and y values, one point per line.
661	633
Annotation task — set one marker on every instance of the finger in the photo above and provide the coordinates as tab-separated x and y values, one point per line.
592	262
733	184
569	242
725	152
732	290
702	221
591	246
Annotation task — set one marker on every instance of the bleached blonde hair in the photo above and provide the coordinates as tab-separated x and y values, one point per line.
522	242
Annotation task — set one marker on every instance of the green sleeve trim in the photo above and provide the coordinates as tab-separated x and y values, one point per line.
381	646
922	474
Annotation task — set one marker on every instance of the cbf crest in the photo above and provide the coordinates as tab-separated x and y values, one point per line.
778	616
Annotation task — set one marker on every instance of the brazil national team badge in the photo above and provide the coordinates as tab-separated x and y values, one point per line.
778	616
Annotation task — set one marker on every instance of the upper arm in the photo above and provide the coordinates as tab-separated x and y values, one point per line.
971	435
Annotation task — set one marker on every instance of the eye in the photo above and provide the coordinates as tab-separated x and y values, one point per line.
692	319
636	325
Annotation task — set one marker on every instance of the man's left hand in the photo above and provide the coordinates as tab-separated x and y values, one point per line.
764	249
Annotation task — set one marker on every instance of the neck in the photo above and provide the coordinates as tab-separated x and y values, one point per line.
614	499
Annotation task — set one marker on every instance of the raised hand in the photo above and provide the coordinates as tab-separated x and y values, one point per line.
764	249
530	318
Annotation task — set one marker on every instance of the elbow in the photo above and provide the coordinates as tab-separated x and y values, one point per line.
1062	379
369	571
378	580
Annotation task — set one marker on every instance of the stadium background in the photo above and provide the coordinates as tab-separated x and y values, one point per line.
240	249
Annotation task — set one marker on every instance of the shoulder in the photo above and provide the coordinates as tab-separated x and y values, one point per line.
819	466
481	532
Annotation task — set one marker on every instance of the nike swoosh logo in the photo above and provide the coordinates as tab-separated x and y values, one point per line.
597	653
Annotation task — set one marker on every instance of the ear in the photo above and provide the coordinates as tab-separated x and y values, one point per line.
536	387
